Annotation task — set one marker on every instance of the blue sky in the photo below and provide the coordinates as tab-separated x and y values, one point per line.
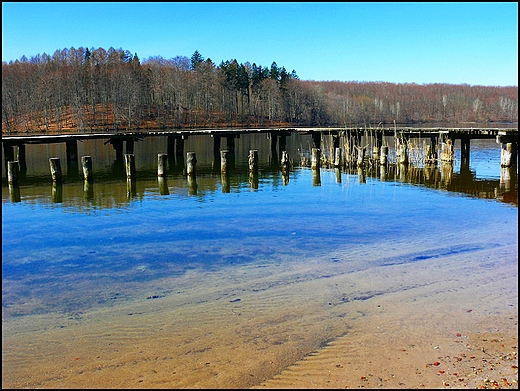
471	43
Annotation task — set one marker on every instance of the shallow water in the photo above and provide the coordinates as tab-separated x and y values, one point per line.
149	284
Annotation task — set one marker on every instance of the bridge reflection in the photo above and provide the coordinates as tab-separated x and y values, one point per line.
115	189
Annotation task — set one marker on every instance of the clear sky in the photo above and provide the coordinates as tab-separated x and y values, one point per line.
472	43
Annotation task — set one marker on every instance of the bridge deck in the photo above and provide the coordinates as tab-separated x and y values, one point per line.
410	132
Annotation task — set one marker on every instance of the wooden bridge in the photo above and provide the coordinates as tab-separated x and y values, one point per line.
351	136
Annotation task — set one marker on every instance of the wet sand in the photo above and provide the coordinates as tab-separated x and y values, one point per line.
445	322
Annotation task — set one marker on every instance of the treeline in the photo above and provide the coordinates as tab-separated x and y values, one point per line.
98	89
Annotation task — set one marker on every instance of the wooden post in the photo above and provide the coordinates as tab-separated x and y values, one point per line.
285	162
274	140
316	139
447	154
162	161
507	155
401	152
86	163
383	159
130	165
55	169
12	172
361	156
315	158
71	147
375	153
20	156
224	154
361	175
382	172
191	164
179	147
253	161
338	175
337	157
282	144
430	155
130	146
117	143
464	151
230	143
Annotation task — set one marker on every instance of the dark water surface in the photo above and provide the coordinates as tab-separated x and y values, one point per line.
144	263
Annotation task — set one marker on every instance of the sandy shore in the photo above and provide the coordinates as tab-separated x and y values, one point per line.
449	322
427	357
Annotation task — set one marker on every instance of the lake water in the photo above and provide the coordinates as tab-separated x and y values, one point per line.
227	281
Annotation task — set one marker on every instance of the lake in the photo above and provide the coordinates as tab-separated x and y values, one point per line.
228	280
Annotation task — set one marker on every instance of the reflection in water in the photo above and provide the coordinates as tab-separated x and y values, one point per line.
57	192
14	193
316	178
108	168
192	185
88	190
131	188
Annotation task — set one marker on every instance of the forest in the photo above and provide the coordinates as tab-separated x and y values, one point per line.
110	90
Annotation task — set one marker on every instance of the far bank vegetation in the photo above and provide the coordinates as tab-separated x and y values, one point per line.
105	90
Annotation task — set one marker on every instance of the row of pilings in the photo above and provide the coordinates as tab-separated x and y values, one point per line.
401	172
334	149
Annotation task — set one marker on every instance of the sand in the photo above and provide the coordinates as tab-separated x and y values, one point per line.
445	322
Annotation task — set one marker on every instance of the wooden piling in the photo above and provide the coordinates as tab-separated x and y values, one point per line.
375	153
507	155
360	156
86	163
12	172
162	162
71	148
429	155
224	155
401	152
20	156
130	146
447	153
130	165
230	143
284	162
55	169
253	161
191	164
337	157
383	159
315	158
